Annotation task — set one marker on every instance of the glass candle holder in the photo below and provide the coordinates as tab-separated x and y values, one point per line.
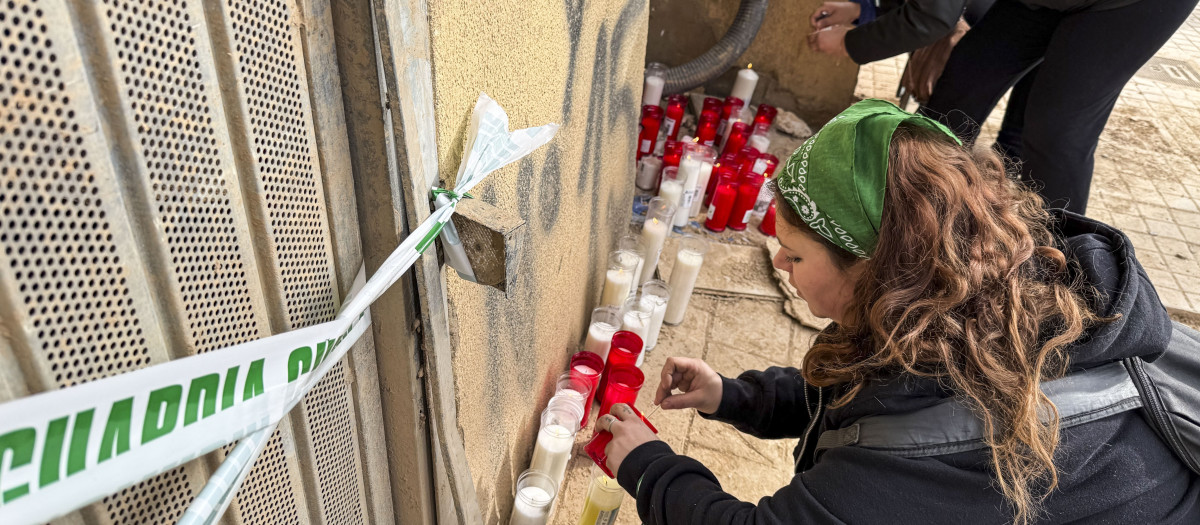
671	187
603	500
636	318
688	260
624	383
706	170
689	172
676	106
759	142
659	215
535	494
739	133
767	226
651	121
706	127
600	440
633	244
764	117
655	81
729	111
723	198
656	294
606	320
747	196
626	347
618	280
647	173
588	366
712	104
556	437
574	386
727	162
769	163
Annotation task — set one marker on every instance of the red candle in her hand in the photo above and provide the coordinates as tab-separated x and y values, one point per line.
588	366
676	104
623	385
747	195
651	121
768	223
626	346
722	203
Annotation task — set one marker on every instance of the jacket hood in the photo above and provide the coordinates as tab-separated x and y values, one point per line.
1104	258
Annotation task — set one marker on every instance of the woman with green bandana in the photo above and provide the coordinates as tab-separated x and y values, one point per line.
947	282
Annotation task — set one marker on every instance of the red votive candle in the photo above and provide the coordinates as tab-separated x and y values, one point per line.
651	121
764	117
727	164
706	128
738	136
729	111
745	160
676	104
722	202
767	226
587	365
623	385
712	104
747	196
626	346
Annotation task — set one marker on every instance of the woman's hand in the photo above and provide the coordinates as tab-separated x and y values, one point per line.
701	386
835	14
629	432
831	41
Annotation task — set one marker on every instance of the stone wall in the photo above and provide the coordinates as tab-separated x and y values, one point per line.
578	64
814	86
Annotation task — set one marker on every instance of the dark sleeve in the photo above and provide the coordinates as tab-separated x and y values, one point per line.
770	404
674	489
908	27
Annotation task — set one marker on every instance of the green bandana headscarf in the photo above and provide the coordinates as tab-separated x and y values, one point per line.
836	180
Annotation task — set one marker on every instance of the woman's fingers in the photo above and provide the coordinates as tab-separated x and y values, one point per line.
685	400
666	381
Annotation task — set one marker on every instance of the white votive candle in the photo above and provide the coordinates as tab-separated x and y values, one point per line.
655	295
552	452
599	339
618	279
535	495
743	87
759	143
630	247
648	169
706	169
652	91
672	191
654	235
683	277
689	173
637	320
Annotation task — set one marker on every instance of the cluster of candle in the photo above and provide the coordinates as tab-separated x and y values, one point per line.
688	173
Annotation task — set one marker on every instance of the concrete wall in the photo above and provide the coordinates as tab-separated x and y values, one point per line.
816	87
543	61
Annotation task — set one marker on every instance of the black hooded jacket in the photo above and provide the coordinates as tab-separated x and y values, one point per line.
1114	470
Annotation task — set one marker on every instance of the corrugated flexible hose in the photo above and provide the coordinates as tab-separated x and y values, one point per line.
723	54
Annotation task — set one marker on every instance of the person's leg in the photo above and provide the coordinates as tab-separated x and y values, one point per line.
1009	40
1008	140
1088	61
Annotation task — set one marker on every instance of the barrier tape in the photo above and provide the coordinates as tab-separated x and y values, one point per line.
63	449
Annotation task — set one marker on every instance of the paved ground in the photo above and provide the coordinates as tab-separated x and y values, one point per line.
1147	178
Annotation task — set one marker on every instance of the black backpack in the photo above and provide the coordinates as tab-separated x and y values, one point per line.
1167	391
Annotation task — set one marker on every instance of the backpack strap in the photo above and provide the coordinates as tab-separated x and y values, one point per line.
950	427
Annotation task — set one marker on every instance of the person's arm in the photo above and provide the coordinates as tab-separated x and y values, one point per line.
770	404
908	27
673	489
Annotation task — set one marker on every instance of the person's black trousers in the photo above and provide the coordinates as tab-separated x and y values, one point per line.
1082	62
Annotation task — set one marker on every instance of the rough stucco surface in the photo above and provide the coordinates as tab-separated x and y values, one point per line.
812	85
580	66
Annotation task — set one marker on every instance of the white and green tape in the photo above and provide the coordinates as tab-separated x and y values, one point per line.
63	449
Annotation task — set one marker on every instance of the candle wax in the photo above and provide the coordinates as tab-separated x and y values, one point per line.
689	172
652	91
599	339
671	191
654	234
535	511
683	280
616	287
658	308
636	260
638	322
552	452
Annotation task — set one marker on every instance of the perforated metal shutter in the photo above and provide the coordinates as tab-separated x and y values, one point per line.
160	197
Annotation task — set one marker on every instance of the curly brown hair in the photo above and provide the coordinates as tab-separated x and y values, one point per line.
965	286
